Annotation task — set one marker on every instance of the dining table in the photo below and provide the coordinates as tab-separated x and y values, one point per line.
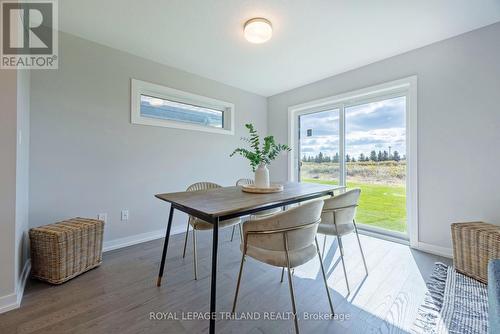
219	204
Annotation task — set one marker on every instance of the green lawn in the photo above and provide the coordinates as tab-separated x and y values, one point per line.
380	205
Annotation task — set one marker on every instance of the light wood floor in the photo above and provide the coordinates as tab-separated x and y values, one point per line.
119	296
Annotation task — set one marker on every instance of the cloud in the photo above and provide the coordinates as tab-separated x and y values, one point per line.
370	126
329	148
384	114
323	123
376	136
307	149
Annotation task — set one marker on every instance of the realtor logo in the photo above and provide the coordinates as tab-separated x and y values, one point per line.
29	34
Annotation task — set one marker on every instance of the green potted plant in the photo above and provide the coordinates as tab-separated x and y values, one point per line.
260	156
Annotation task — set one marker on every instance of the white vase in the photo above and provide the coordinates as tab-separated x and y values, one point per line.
262	176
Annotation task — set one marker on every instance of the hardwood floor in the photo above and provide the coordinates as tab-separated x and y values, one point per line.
121	296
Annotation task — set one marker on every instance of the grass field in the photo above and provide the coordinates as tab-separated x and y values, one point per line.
380	205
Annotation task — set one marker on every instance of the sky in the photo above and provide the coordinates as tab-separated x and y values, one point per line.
370	126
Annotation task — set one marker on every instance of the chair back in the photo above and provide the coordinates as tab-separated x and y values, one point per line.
298	226
202	186
342	208
242	182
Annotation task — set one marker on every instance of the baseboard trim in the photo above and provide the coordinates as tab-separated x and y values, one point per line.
13	301
383	236
436	250
8	302
24	278
137	239
421	246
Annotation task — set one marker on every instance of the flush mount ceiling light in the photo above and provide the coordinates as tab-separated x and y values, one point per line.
258	30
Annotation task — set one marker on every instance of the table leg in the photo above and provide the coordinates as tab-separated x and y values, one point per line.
165	245
213	281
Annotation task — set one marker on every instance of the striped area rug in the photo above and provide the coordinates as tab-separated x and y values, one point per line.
455	304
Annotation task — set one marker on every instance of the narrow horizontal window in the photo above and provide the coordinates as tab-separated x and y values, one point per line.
154	107
167	107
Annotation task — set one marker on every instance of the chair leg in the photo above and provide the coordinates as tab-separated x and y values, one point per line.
343	263
232	233
195	255
360	248
290	285
241	232
185	241
282	274
324	276
238	283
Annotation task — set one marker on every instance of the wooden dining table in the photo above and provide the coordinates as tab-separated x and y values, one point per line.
219	204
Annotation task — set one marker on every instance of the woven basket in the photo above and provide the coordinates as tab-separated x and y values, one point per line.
474	244
66	249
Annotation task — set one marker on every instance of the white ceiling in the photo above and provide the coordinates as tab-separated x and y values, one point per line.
313	39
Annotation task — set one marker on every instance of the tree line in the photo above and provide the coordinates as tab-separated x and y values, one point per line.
374	156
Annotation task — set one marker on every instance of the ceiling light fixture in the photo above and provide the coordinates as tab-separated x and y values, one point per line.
258	30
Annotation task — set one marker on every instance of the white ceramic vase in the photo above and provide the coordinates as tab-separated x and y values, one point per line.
262	176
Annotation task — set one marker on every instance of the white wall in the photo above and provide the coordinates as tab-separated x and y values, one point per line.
87	158
458	126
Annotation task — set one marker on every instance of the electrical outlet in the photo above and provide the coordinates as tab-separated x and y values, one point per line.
124	215
103	217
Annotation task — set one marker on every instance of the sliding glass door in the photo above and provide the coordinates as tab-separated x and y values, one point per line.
360	144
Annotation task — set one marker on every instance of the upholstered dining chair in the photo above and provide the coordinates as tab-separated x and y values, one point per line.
285	239
337	219
199	224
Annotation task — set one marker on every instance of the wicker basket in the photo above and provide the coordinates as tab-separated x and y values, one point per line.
473	245
66	249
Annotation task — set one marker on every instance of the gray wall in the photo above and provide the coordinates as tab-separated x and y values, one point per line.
87	158
14	167
8	119
22	169
458	125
